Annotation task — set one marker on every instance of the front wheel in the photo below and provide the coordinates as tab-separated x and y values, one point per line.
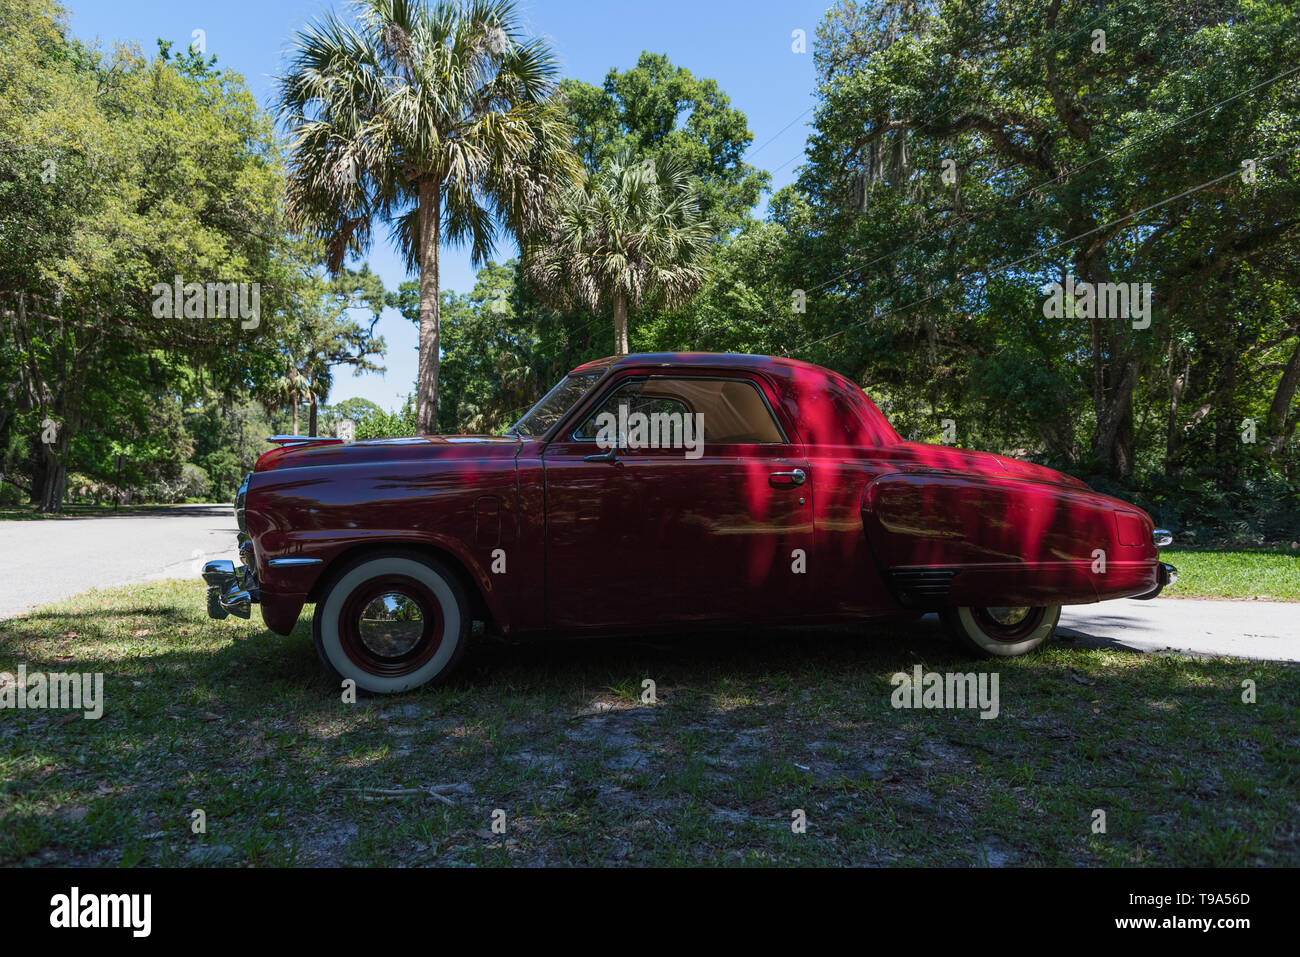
1002	632
392	622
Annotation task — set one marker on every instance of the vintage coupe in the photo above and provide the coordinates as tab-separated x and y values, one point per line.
799	503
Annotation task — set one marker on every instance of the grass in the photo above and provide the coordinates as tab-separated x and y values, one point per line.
1267	574
747	728
28	513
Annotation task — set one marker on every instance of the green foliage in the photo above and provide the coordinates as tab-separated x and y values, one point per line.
493	366
436	120
629	236
963	156
660	111
354	409
378	424
930	286
119	174
228	438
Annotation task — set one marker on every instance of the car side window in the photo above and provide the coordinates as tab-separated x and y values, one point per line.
632	395
732	411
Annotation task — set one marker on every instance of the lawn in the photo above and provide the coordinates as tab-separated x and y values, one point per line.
747	728
26	513
1271	574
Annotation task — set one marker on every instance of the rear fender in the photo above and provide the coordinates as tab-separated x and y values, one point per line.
944	538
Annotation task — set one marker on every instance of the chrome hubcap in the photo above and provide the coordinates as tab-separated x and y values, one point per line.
1008	616
391	625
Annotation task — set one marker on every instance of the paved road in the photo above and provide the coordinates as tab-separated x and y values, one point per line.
1265	630
1244	629
43	561
46	560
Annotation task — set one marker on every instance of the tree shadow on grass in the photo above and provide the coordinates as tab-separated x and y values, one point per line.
747	724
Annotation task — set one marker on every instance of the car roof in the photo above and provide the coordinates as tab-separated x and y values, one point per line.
777	365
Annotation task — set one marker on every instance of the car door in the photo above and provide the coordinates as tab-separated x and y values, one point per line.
710	526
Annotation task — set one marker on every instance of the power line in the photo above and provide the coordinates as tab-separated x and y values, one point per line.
768	141
939	93
1061	176
1034	255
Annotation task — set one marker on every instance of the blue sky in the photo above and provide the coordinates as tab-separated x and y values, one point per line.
745	46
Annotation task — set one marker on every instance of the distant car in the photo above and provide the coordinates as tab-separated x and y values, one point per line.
667	491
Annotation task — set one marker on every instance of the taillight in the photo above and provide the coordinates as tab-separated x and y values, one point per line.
1133	528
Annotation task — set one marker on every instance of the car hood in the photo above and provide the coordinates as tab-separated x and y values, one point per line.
315	453
914	456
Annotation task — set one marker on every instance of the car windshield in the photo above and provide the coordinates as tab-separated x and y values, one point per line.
556	403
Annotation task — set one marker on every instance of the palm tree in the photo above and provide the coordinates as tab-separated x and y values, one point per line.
627	236
438	120
293	386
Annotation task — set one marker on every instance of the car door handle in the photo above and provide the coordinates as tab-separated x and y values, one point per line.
609	456
787	479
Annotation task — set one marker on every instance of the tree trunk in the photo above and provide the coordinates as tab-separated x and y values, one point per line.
36	490
54	474
1227	422
620	324
295	413
311	417
1114	379
52	496
1177	384
426	389
1113	438
1280	407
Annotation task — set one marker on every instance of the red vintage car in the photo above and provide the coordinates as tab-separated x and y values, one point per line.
667	491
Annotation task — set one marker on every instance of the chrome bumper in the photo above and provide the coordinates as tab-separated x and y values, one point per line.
1166	575
232	590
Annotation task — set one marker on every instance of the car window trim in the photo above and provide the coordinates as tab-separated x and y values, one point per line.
641	376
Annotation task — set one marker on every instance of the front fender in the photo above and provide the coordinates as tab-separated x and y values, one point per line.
302	521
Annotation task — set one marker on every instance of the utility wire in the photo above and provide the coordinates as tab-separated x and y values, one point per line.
1054	47
1034	255
1056	179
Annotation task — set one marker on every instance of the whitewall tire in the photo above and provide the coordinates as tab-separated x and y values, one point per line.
1002	632
392	622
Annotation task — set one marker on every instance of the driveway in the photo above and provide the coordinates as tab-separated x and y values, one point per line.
44	560
1266	630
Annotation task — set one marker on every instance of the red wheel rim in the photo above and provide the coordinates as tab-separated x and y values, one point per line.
365	655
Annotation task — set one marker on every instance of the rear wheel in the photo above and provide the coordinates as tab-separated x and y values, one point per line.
1003	631
392	622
